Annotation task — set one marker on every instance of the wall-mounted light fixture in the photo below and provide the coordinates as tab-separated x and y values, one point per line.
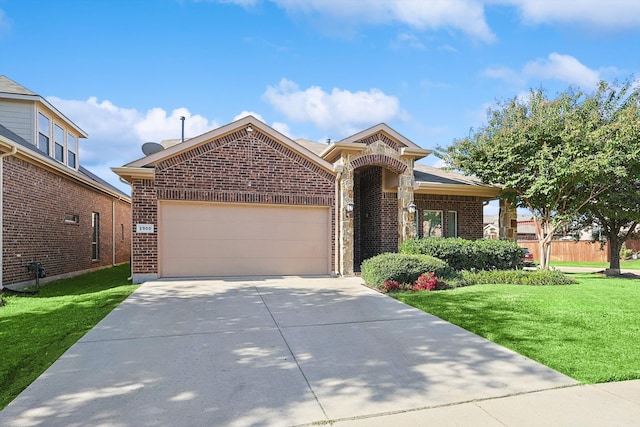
350	207
249	129
411	208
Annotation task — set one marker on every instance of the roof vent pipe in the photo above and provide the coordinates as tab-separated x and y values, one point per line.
182	120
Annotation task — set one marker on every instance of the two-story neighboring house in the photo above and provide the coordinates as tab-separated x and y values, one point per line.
53	211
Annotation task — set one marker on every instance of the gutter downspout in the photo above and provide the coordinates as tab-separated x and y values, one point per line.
113	232
13	151
336	224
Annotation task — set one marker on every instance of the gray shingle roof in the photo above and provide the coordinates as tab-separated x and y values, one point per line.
9	86
423	173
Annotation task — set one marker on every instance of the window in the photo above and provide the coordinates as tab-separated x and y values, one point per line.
58	143
95	236
72	147
71	219
432	224
44	132
452	224
122	232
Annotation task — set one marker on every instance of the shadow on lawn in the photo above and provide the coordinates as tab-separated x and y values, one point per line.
264	352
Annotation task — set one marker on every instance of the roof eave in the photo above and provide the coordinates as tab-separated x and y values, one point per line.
490	192
415	152
333	151
129	173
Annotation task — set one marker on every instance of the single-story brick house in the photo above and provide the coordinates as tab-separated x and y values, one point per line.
52	210
244	199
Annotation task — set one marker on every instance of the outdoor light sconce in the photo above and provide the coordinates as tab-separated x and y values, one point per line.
249	129
411	208
349	209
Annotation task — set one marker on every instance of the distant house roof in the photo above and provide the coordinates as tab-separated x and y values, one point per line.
313	146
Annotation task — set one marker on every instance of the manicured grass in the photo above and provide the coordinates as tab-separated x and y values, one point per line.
589	331
36	330
628	265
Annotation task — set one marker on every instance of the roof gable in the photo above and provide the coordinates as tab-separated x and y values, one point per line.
245	125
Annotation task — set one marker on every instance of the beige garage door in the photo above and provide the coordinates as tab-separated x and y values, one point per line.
211	239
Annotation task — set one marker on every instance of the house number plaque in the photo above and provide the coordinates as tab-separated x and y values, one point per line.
144	228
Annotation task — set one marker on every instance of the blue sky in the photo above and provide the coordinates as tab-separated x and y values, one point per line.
124	71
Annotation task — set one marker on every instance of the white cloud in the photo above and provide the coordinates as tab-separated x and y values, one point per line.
246	113
340	110
283	128
116	134
466	16
611	14
563	68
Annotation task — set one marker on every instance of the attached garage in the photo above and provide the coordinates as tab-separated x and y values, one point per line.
218	239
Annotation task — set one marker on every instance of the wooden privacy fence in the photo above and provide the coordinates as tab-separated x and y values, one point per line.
569	250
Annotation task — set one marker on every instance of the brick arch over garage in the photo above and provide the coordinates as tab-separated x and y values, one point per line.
387	162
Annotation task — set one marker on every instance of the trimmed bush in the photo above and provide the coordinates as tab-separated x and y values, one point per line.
462	254
401	268
514	277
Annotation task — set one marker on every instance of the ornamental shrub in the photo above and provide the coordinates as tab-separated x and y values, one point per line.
401	268
462	254
514	277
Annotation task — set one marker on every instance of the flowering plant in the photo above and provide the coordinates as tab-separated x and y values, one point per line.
426	282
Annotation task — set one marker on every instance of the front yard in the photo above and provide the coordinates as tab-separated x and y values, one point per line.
589	331
36	330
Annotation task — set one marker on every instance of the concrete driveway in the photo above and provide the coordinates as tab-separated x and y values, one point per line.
268	351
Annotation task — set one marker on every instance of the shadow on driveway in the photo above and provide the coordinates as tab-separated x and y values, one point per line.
268	351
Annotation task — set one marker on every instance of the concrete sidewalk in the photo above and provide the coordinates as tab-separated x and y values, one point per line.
297	351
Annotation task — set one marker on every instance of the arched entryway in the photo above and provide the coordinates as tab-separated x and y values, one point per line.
375	216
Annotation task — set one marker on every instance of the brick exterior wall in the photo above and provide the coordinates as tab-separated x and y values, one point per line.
375	216
35	202
469	210
235	168
144	210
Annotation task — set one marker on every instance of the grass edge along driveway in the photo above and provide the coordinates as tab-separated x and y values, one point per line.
588	331
36	330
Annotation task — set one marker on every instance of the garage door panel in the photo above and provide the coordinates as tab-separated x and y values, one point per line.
211	239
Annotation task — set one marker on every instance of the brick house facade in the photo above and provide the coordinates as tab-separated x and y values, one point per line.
244	199
53	211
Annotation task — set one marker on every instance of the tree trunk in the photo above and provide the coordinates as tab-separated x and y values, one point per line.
615	244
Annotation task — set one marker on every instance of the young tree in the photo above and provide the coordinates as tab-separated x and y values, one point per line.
547	155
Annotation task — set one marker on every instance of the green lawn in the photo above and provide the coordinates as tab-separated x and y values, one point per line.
628	265
589	331
36	330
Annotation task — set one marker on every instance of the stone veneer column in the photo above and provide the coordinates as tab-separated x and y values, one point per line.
346	222
507	222
406	221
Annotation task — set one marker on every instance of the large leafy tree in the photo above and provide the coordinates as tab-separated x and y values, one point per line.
547	154
615	214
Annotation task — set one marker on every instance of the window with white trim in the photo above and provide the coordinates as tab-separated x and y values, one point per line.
44	132
431	223
95	236
72	149
452	224
58	143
